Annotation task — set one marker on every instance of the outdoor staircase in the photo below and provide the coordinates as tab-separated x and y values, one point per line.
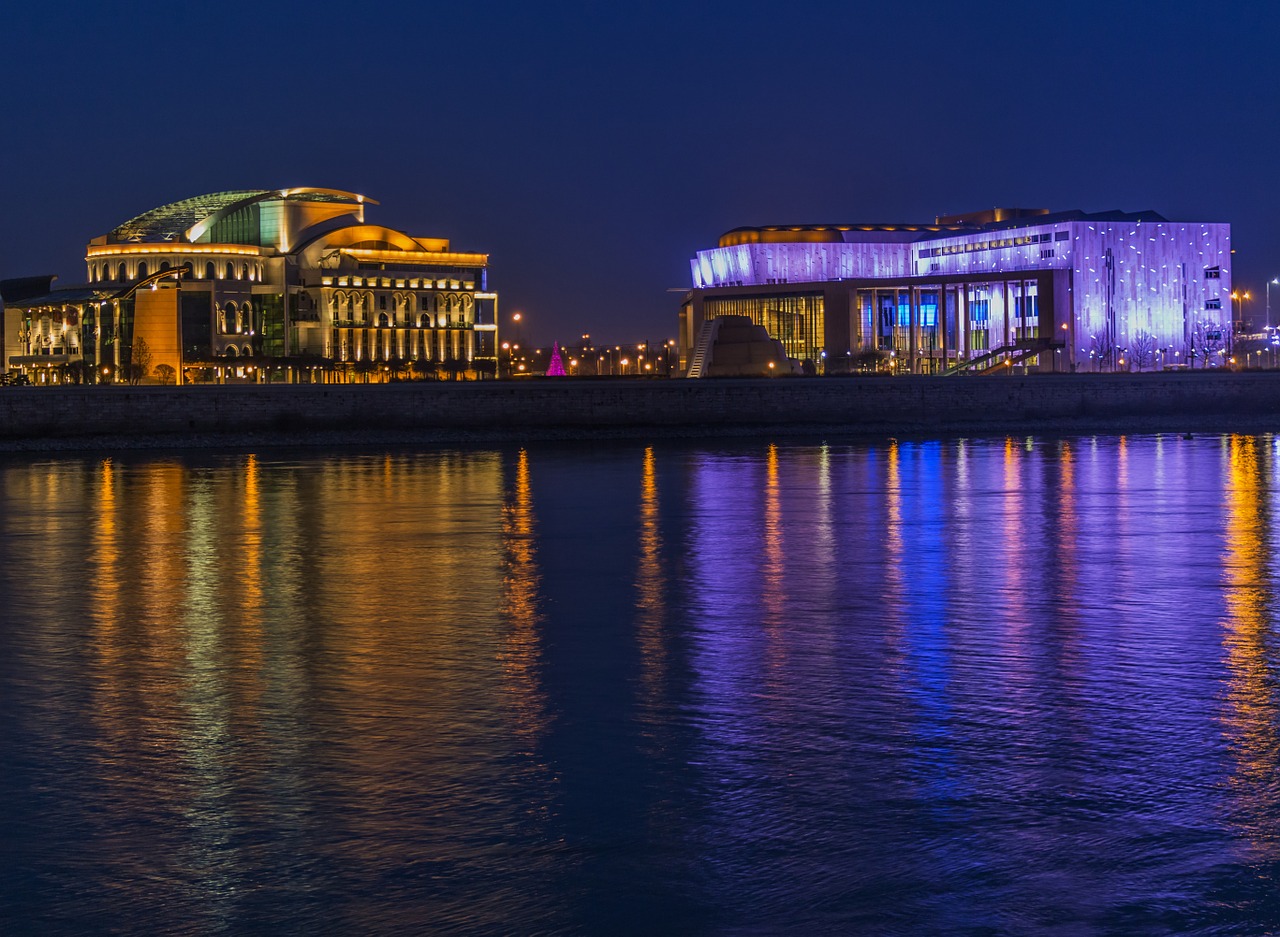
1014	353
702	348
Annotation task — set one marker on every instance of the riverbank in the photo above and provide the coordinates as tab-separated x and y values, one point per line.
428	413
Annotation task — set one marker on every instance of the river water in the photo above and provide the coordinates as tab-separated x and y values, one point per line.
967	686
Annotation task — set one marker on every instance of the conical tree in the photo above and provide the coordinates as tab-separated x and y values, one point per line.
556	367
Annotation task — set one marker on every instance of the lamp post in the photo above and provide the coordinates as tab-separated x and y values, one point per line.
1239	297
1269	283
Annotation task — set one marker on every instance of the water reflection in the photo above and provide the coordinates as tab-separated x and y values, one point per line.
1251	713
521	649
911	686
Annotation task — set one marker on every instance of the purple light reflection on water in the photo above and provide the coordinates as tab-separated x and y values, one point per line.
916	686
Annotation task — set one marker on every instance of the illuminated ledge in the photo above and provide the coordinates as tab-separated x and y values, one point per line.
442	258
164	247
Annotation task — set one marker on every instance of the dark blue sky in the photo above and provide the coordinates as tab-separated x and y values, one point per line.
591	148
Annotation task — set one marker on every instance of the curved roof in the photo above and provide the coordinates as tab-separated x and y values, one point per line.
168	222
172	222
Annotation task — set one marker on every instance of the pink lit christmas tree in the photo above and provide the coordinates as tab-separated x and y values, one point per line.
556	367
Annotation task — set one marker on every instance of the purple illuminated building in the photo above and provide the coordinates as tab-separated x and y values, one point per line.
1005	288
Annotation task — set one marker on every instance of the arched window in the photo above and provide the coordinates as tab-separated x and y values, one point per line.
120	273
231	318
142	270
383	321
164	265
231	271
209	271
233	351
426	321
244	271
248	351
248	317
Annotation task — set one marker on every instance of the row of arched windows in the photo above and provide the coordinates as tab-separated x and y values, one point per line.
124	271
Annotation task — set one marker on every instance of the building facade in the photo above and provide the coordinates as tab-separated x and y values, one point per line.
1069	291
286	275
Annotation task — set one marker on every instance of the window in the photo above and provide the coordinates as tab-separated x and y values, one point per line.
1213	273
929	310
1061	235
1046	253
1213	304
980	310
382	303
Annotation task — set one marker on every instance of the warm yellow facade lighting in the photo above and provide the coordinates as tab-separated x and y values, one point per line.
451	258
165	247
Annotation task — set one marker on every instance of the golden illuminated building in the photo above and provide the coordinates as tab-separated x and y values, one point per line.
294	279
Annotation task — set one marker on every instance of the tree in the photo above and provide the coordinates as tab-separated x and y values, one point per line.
424	368
1100	350
165	373
453	367
1142	350
364	367
139	360
397	367
1206	342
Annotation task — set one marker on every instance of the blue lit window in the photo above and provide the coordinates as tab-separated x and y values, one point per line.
929	310
980	310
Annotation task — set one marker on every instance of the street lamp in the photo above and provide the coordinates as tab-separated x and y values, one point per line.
1239	297
1269	282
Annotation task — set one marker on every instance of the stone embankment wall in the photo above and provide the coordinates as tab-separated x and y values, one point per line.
1041	403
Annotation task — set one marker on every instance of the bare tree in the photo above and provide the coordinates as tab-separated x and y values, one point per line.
1142	350
139	360
1206	342
165	373
1100	349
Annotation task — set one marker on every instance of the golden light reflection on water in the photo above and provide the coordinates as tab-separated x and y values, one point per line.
1251	710
773	587
1066	541
521	649
895	575
650	589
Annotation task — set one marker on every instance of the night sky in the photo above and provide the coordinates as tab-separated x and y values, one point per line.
591	148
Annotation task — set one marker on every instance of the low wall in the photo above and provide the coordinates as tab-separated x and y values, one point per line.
1040	403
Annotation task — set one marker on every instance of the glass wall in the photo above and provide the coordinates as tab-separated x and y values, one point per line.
796	320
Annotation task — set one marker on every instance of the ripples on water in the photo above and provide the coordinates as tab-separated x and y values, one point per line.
998	686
